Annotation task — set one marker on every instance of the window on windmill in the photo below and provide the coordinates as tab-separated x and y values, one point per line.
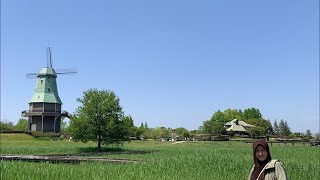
49	89
41	81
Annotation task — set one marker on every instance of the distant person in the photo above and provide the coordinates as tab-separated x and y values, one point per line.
264	167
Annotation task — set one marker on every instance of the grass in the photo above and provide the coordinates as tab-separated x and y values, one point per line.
16	137
190	160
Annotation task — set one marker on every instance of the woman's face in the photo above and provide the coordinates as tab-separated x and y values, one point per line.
261	153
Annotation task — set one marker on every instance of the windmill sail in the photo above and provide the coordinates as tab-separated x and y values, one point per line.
70	71
49	61
49	65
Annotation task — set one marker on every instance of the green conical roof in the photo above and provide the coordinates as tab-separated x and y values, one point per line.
46	88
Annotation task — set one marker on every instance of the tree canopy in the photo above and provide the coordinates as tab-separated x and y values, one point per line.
214	127
22	124
100	118
283	128
252	113
4	125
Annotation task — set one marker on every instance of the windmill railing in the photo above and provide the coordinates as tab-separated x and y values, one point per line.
28	113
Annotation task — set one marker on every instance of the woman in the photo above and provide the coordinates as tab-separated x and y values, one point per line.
264	167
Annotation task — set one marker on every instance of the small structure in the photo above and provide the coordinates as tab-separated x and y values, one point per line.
45	112
238	127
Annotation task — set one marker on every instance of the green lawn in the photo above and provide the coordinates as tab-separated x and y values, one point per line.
190	160
5	138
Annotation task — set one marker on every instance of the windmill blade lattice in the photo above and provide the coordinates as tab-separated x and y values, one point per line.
71	71
31	75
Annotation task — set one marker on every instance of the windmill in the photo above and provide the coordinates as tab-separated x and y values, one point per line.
45	112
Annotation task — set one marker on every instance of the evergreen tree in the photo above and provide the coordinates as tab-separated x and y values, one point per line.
284	128
281	127
270	129
287	130
275	127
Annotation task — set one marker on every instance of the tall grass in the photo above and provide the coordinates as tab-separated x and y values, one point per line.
190	160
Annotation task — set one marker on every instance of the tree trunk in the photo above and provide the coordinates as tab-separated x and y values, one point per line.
99	143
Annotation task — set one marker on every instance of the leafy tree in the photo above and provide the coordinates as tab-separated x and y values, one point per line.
22	124
231	114
194	132
100	118
159	132
186	134
298	135
156	133
214	127
252	113
140	133
258	131
182	132
64	127
264	126
208	127
5	125
129	126
220	117
309	134
317	136
143	132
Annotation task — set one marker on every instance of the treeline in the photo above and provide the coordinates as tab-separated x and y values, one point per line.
21	125
144	132
251	116
215	126
99	117
254	117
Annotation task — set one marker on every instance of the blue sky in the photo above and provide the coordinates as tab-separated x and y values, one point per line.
171	63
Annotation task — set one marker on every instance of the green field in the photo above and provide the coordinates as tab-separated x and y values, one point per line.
189	160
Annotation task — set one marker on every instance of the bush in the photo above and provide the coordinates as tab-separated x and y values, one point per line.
221	138
12	131
39	134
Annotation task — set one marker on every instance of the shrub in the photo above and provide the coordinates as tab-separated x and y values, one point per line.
39	134
12	131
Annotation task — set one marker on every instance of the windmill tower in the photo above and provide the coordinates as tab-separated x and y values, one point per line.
45	112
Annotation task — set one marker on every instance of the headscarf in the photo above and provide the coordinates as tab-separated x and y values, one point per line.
259	165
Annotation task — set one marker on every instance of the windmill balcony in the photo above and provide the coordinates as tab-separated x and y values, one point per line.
28	113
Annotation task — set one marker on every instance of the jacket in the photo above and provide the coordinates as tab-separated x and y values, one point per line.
274	170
